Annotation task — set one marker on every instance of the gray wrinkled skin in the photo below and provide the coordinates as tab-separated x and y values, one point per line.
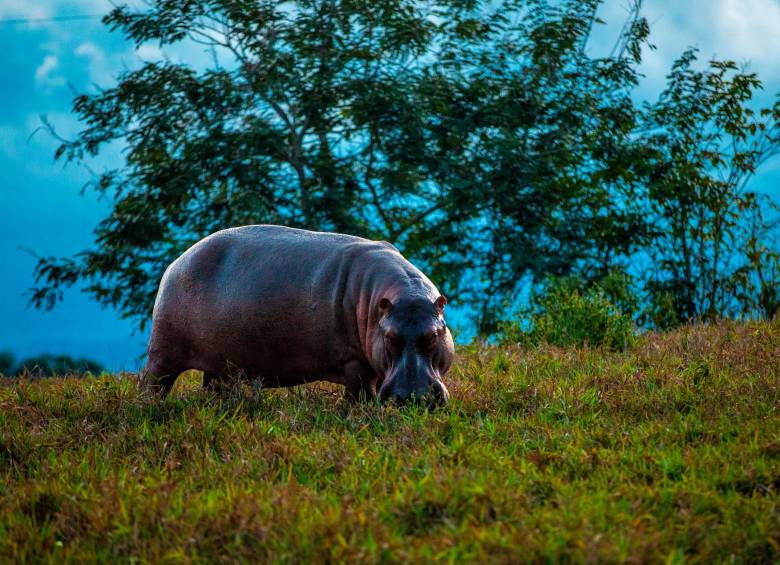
288	306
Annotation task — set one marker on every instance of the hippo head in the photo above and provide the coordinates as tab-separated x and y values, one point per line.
413	350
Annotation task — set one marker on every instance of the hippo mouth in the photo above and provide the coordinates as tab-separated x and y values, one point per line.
433	395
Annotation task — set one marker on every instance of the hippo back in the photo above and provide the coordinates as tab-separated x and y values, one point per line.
268	299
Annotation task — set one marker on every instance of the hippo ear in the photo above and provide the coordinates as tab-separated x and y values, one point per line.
385	305
440	302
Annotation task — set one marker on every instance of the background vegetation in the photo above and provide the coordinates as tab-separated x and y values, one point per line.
484	139
46	365
563	313
667	452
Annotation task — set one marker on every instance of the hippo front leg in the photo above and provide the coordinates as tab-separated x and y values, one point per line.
359	382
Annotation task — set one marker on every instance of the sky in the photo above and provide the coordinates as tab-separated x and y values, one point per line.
44	213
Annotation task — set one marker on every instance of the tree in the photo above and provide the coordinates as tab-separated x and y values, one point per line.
710	255
479	138
47	364
551	164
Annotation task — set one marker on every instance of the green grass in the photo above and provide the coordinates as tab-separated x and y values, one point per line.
667	452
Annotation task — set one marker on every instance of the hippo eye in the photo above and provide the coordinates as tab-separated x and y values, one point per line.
391	341
429	339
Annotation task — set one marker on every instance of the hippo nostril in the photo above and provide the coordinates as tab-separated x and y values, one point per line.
439	393
432	395
436	395
397	398
385	393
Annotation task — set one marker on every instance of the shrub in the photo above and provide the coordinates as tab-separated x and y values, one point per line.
563	314
6	362
47	364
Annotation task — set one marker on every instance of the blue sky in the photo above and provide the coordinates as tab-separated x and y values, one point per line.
41	207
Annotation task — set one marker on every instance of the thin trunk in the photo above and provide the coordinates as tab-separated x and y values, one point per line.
686	254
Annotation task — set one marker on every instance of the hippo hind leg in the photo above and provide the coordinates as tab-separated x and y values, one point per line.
214	383
229	380
159	377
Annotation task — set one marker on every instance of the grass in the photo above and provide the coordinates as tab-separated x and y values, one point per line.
667	452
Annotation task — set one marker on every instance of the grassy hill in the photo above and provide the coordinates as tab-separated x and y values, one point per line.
668	452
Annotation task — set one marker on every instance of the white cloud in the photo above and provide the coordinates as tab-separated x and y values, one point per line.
50	62
101	69
44	74
47	8
23	9
746	31
149	52
90	50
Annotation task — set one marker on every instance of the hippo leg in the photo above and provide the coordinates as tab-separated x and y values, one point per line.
359	382
212	382
159	377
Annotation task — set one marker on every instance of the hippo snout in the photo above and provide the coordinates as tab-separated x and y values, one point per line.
440	393
432	395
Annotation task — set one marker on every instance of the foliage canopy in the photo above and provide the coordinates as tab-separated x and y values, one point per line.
483	139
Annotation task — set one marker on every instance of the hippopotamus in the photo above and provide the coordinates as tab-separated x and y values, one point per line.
286	306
